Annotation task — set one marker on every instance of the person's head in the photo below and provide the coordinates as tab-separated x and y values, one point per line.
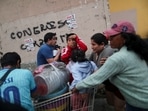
119	32
50	38
71	40
123	34
78	55
98	41
11	59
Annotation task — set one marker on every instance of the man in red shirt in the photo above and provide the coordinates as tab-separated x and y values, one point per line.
73	42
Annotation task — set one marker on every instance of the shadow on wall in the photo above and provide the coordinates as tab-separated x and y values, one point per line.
30	66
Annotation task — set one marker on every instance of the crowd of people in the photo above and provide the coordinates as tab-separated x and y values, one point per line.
118	62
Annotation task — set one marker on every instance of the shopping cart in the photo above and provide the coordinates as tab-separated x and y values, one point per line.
64	103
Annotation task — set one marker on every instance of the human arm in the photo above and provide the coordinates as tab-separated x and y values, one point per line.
76	74
73	69
46	54
102	60
66	54
95	68
56	58
109	69
77	77
80	44
30	82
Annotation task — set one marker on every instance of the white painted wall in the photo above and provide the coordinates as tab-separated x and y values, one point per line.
91	16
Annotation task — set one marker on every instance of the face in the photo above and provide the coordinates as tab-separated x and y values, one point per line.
97	48
18	64
53	41
71	42
116	41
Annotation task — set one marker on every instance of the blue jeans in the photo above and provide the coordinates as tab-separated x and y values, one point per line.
132	108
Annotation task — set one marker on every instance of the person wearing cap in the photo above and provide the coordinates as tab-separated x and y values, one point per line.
127	69
46	52
101	51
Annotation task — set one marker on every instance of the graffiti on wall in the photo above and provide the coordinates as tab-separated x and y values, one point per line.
38	29
29	33
28	46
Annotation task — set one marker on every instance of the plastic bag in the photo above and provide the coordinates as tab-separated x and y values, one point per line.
50	77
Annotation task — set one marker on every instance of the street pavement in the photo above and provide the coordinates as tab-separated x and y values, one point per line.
100	104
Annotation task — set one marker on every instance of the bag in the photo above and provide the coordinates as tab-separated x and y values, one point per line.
50	77
5	76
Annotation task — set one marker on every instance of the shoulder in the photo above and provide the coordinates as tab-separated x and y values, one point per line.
42	47
108	51
24	72
121	55
92	63
45	48
72	67
64	49
108	48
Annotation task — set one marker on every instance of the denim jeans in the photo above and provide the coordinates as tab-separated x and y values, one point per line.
132	108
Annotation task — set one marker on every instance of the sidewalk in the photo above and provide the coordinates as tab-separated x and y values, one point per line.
100	104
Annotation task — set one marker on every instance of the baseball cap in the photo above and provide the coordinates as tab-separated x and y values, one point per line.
121	26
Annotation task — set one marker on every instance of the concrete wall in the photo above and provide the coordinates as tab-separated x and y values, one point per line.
24	23
135	11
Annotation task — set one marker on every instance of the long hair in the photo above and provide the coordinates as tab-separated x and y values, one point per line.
137	44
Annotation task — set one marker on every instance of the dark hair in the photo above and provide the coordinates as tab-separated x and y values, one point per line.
68	35
6	106
146	40
78	55
49	36
137	44
99	38
10	58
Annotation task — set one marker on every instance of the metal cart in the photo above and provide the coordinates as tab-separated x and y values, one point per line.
64	103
